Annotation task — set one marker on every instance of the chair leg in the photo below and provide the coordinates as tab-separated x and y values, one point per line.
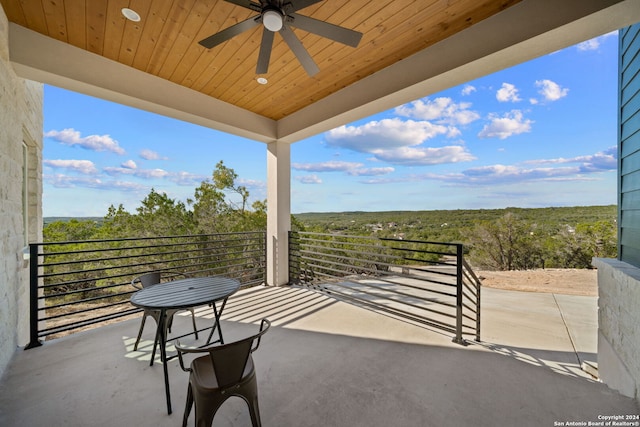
250	393
193	320
254	411
187	408
135	346
155	341
207	404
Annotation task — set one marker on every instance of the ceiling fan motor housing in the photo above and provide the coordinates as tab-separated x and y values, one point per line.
272	19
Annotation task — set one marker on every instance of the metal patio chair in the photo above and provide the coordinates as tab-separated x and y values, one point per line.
150	279
227	370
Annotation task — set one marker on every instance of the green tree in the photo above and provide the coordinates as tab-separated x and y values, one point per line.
575	247
217	209
508	243
159	215
117	223
72	230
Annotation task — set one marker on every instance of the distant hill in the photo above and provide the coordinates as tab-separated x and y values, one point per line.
462	217
554	229
459	217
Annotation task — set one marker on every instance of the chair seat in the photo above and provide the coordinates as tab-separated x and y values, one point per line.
203	375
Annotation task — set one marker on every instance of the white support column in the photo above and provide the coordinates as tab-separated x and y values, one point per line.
278	212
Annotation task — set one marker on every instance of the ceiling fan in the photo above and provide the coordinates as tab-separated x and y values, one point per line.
279	16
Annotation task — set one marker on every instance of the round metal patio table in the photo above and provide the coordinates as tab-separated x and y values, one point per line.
183	294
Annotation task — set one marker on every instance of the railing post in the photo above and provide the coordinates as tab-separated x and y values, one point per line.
294	261
478	291
291	275
33	297
264	252
459	279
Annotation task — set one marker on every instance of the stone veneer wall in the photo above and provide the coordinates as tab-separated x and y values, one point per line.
20	122
619	325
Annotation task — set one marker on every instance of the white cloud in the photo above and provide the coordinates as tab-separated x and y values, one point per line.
503	174
606	160
508	93
468	90
394	180
185	178
512	123
371	171
308	179
453	132
66	181
396	141
181	178
140	173
153	173
86	167
330	166
594	43
425	156
350	168
441	110
92	142
551	91
113	171
585	166
129	164
151	155
252	183
383	134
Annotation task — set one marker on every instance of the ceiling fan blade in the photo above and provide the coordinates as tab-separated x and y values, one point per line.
327	30
298	5
248	4
265	52
230	32
299	51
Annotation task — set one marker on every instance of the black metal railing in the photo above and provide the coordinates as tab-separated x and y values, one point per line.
81	283
426	282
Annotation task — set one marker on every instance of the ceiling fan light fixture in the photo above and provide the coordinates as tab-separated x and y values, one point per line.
276	16
131	14
272	20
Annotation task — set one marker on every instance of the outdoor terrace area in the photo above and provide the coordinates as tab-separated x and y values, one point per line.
326	361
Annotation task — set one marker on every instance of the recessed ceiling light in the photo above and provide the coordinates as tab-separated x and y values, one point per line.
262	80
130	14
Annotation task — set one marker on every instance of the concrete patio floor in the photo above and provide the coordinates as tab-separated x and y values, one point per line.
330	363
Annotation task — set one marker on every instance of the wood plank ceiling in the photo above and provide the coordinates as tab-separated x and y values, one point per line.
165	42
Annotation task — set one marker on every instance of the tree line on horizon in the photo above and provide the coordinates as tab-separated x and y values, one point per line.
496	239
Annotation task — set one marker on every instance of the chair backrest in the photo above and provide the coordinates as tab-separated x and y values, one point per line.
153	278
150	279
229	360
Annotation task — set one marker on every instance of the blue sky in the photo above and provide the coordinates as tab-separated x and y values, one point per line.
539	134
